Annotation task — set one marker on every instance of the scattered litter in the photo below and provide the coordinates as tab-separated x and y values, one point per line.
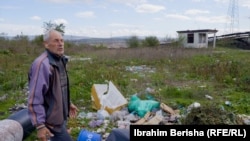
18	107
95	123
82	115
167	108
144	119
142	68
193	105
154	121
118	115
78	58
123	124
209	97
107	96
228	103
86	135
91	115
102	114
141	107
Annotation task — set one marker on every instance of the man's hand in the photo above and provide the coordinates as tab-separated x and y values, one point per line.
73	111
44	134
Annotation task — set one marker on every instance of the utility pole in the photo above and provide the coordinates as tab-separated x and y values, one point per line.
233	16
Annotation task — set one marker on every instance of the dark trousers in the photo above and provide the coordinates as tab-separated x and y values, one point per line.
63	135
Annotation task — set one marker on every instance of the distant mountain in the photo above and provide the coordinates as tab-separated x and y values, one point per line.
73	37
115	42
119	41
70	37
79	38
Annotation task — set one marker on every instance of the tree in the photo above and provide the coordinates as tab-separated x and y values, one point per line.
151	41
49	25
38	40
133	42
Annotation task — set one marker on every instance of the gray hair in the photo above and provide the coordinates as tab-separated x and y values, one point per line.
47	34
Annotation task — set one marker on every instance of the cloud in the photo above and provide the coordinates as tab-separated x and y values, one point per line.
197	0
177	16
9	7
36	18
246	4
222	1
129	2
60	21
86	14
196	11
215	19
14	29
67	1
122	25
149	8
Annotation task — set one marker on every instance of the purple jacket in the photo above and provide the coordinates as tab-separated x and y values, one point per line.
45	101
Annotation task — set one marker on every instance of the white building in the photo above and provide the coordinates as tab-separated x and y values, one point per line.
196	38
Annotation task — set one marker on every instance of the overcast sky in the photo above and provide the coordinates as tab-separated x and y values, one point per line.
110	18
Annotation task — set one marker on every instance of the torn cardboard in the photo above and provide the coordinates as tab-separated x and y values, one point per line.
107	96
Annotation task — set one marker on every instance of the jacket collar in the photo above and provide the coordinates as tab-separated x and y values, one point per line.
53	58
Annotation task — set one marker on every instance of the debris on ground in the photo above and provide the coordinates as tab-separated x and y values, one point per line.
114	113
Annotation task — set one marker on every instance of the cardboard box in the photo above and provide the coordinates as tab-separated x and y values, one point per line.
107	96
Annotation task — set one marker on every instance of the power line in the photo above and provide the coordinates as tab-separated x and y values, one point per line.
233	16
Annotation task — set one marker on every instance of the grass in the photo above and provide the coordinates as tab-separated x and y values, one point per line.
179	76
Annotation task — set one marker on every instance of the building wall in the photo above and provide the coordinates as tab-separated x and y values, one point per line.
200	40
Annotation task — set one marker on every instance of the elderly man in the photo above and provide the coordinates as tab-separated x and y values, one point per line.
49	105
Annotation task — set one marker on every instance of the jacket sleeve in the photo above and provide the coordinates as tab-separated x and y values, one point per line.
38	86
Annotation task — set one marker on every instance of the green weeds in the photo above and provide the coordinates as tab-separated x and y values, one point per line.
179	76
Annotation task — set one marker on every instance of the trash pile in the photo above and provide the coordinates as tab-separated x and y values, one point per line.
113	108
114	114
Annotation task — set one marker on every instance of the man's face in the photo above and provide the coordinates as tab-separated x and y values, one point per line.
55	43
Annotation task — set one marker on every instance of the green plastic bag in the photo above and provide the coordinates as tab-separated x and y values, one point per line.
141	107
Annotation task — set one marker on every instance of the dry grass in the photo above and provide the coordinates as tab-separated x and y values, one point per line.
180	76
